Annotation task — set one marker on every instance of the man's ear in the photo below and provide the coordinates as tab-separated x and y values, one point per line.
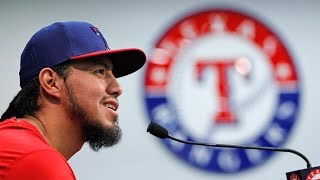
50	82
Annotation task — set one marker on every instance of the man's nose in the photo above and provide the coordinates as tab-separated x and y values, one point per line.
113	87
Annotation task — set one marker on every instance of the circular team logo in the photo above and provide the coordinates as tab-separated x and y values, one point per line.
221	76
314	175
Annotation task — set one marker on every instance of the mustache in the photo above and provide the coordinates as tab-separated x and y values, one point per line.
104	98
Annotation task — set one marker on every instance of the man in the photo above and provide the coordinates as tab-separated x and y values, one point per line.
68	97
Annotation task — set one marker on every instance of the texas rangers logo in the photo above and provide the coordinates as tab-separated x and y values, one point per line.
222	76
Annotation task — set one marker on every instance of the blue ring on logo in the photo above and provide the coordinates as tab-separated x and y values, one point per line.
280	127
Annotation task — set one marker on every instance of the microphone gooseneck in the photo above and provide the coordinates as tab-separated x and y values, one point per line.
160	132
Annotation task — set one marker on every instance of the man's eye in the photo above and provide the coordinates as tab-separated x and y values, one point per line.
100	71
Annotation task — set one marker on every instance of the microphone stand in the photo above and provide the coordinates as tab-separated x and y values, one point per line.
246	147
160	132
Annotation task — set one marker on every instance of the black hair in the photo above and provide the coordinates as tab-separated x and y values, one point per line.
26	101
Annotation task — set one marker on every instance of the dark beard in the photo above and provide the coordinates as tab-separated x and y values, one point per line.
94	133
98	136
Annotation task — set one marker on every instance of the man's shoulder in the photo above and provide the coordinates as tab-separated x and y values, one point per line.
22	147
21	135
40	164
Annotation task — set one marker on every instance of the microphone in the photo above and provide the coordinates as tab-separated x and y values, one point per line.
160	132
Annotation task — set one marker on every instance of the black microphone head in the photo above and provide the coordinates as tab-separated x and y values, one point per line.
157	130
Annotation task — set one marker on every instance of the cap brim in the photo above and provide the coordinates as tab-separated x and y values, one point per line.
125	61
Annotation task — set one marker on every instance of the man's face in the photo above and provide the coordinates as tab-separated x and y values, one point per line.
92	91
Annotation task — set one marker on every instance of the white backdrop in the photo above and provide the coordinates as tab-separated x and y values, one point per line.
138	24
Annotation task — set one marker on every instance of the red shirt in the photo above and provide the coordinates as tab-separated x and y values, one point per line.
24	154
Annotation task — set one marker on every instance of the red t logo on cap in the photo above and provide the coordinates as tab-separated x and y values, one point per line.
96	30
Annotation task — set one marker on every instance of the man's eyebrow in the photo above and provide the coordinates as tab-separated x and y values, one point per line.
97	61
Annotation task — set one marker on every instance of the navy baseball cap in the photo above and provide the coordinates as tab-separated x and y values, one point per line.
72	40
